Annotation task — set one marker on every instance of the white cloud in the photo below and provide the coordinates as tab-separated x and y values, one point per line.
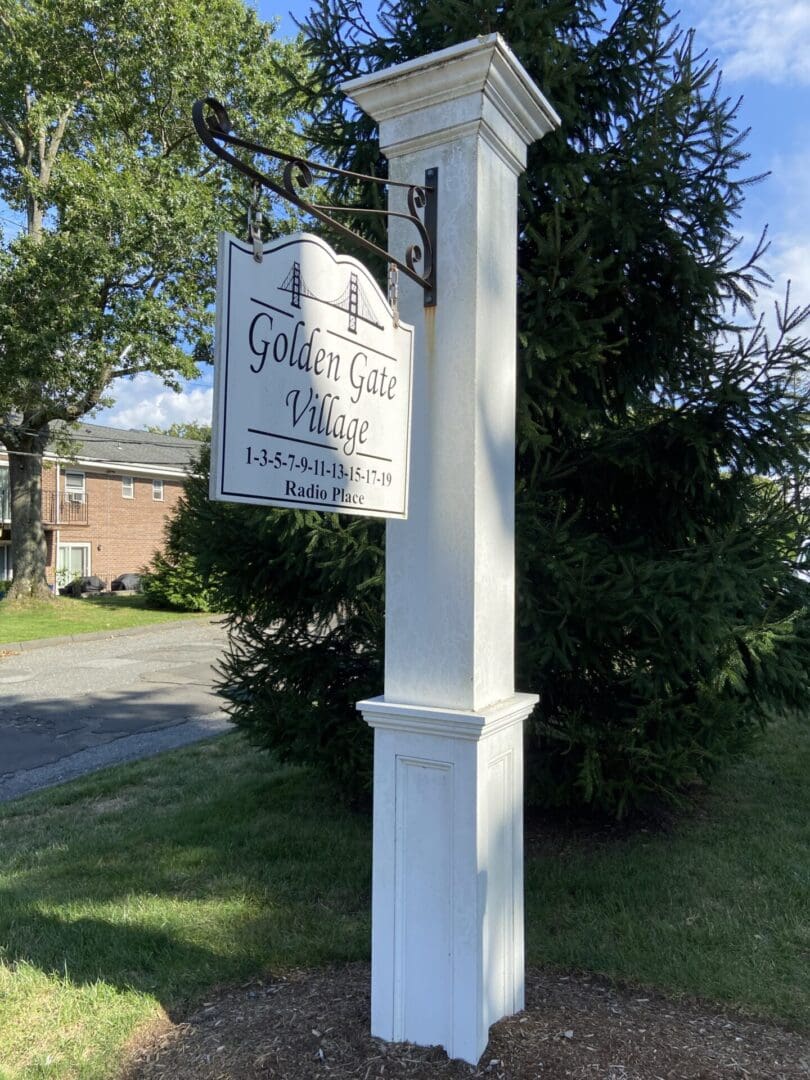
759	38
144	401
788	258
789	174
789	261
783	200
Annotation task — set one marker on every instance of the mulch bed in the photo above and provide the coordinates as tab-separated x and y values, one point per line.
314	1024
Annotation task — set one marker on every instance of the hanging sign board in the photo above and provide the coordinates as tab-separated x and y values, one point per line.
312	393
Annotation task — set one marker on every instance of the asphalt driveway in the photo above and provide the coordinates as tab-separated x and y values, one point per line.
73	707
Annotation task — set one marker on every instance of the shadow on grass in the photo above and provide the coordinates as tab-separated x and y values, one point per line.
87	950
167	876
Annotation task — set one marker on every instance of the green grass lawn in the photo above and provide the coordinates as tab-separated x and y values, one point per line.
142	888
25	621
716	907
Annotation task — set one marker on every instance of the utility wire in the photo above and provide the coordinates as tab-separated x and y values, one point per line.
10	221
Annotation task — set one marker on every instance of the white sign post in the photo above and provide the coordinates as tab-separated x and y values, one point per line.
312	399
447	936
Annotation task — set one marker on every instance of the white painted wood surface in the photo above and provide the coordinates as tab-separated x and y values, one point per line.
447	937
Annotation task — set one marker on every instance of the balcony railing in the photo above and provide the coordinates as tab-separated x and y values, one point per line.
62	509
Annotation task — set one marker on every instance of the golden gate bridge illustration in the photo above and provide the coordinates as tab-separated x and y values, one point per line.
352	300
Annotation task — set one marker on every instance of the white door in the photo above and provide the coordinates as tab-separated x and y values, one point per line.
72	561
5	495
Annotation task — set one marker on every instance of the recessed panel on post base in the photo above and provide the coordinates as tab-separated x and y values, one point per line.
312	396
424	880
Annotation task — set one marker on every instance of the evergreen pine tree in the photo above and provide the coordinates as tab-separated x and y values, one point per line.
659	617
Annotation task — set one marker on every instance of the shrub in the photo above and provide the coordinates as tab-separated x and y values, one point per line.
173	581
304	594
176	578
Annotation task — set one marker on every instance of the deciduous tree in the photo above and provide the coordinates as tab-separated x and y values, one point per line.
185	429
111	272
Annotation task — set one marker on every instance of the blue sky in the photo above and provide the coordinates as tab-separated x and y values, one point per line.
762	47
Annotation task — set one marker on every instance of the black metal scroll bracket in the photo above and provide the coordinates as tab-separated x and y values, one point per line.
214	128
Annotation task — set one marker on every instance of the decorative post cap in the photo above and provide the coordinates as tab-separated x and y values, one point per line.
477	85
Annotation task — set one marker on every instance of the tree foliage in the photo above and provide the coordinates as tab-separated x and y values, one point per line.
184	429
173	581
659	617
303	591
111	273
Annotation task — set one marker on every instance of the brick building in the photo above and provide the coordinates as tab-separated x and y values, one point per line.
105	507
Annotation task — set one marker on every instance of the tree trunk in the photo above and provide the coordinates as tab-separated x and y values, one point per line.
28	544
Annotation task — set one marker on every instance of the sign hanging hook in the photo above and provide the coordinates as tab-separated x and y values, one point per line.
214	128
254	222
393	291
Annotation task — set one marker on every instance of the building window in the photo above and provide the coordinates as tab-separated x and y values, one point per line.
74	486
157	490
5	562
128	487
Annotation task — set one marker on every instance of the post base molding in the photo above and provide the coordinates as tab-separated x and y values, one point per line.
447	890
455	723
